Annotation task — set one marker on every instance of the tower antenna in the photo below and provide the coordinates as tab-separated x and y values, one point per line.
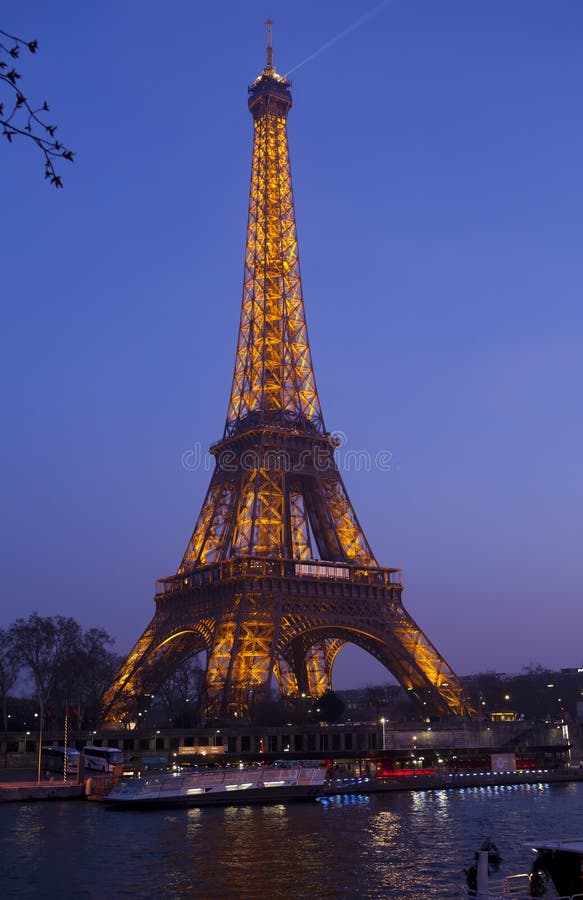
269	53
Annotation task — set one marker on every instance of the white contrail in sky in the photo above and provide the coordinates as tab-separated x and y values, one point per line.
372	12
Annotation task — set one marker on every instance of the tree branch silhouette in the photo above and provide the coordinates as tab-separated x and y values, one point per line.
18	117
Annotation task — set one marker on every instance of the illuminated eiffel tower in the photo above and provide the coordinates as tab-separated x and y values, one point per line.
278	575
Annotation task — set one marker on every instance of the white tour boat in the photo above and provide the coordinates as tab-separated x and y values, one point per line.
224	786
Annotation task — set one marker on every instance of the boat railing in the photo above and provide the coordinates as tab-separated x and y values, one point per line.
184	780
517	887
311	775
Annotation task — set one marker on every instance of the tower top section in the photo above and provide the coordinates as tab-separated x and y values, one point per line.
270	93
273	382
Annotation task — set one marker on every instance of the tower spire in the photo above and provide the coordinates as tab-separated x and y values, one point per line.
269	53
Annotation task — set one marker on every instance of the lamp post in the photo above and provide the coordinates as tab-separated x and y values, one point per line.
383	723
40	740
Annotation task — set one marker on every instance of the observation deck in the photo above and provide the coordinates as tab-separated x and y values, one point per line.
258	567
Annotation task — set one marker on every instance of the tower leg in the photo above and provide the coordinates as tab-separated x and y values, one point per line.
242	657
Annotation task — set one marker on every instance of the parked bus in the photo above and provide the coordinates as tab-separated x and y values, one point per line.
53	760
102	759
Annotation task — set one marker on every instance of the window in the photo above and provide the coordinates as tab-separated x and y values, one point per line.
245	744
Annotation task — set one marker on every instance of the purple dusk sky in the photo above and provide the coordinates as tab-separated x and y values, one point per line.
437	158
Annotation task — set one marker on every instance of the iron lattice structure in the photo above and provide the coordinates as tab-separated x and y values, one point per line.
278	575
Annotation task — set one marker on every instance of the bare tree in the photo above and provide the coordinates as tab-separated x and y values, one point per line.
21	118
9	670
43	644
179	694
83	674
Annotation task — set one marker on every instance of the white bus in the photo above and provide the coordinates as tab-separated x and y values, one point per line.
102	759
53	760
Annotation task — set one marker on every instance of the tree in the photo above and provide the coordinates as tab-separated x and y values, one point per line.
83	673
180	693
329	707
267	707
43	645
9	670
19	117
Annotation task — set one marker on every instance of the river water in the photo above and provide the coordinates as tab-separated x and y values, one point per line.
396	845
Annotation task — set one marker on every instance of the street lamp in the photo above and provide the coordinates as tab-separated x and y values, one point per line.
383	723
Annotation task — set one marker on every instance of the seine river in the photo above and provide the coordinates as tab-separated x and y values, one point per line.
398	845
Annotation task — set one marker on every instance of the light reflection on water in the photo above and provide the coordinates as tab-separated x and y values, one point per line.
399	845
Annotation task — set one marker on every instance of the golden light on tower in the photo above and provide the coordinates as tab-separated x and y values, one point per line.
278	575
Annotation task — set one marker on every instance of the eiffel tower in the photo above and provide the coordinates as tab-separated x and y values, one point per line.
278	575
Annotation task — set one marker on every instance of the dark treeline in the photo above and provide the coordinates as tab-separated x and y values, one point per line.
49	666
535	693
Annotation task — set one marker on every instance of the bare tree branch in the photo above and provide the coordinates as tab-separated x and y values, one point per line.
18	117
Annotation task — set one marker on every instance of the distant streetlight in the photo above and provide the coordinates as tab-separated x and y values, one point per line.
383	723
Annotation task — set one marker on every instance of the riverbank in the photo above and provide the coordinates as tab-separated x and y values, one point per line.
26	791
16	788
